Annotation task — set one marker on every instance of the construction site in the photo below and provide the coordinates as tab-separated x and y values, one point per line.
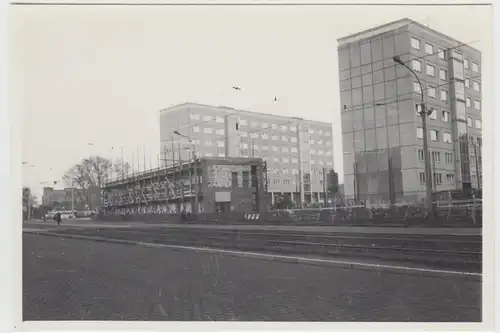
205	185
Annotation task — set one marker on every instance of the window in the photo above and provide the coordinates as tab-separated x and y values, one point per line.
220	131
467	102
471	140
441	54
477	105
293	139
284	149
327	133
420	133
438	180
431	70
475	67
422	177
328	143
265	148
276	181
457	55
295	160
196	129
254	124
275	137
264	125
276	159
234	179
416	87
444	96
431	92
196	141
207	118
219	119
244	134
475	85
434	135
415	43
467	83
478	123
466	63
208	155
450	179
293	128
286	181
256	147
433	114
207	130
328	153
442	74
254	135
311	141
284	128
436	157
447	137
421	155
285	160
194	116
275	148
273	126
429	49
243	122
220	144
265	136
245	177
221	155
469	121
284	138
293	149
313	152
446	116
448	157
320	152
417	65
244	145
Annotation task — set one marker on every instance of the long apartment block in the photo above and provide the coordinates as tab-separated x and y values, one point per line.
382	132
291	147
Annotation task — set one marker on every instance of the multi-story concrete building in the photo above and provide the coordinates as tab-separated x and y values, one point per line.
293	148
61	199
381	130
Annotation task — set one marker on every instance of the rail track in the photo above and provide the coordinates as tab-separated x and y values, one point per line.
451	252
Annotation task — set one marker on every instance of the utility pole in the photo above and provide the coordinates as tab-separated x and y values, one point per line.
122	162
423	113
477	167
181	180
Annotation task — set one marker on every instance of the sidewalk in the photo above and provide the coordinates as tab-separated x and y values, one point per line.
306	229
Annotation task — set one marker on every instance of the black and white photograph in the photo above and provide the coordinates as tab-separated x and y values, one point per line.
239	162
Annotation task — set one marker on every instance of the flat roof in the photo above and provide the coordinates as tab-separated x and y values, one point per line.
368	33
235	111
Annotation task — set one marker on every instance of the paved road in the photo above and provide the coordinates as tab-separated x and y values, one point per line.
67	279
313	229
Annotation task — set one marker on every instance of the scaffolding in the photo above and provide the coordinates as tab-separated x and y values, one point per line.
152	192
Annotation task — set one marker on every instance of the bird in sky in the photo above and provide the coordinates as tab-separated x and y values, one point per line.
275	99
236	88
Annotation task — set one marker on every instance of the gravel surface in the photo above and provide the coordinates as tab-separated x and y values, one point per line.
67	279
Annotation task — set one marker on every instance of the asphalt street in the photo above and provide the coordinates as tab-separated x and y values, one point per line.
68	279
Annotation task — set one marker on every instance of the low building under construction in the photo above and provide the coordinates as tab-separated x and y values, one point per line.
222	185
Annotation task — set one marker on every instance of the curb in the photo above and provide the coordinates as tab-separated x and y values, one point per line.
279	258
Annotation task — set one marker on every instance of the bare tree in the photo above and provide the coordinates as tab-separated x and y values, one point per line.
90	172
121	168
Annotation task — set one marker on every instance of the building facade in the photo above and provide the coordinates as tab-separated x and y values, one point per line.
382	133
61	199
292	148
224	185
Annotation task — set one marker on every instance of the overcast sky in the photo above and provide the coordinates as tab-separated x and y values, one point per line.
100	74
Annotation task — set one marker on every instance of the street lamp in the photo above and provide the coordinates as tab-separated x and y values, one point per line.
195	167
423	113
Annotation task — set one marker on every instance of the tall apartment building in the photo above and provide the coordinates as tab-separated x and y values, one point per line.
61	199
381	130
291	147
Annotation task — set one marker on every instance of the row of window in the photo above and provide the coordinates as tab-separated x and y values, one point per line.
448	157
293	171
445	116
195	116
446	136
429	49
295	160
432	91
443	74
437	178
